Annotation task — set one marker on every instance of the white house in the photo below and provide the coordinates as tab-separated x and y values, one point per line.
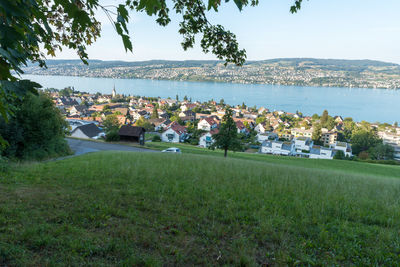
241	128
302	144
343	146
320	152
261	127
267	136
277	148
175	134
87	131
206	139
207	124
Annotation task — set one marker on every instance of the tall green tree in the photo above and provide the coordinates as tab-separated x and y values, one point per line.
363	140
227	137
316	135
324	118
382	152
154	114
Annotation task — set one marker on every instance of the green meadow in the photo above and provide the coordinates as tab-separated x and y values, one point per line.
159	209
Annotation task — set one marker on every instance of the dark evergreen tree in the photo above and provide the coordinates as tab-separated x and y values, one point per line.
227	137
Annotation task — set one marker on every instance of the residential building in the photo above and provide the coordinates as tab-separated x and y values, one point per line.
296	132
342	146
206	139
277	148
207	124
302	144
329	138
87	131
175	134
320	152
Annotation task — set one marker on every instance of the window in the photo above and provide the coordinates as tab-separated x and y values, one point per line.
170	137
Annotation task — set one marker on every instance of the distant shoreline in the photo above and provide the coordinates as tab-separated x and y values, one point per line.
207	81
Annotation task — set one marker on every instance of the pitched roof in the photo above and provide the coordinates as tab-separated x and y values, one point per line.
128	130
90	130
179	129
210	121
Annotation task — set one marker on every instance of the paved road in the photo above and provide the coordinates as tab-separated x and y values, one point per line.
81	147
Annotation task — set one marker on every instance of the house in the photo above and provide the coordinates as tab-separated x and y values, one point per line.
302	144
338	119
67	102
132	134
262	110
188	106
320	152
286	135
343	146
137	114
206	139
262	127
187	113
296	132
261	137
87	131
241	128
277	148
78	111
329	137
207	124
159	124
174	134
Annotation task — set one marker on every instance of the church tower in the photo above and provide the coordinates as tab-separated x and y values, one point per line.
114	93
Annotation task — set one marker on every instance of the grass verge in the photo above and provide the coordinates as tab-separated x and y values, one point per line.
123	208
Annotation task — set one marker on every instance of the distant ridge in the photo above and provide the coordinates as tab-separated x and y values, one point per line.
363	73
342	62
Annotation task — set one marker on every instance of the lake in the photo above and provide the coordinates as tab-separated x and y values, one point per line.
360	104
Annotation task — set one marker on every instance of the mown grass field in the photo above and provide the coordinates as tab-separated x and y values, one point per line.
333	165
127	209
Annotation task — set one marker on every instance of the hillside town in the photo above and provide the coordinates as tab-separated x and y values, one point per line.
260	130
293	72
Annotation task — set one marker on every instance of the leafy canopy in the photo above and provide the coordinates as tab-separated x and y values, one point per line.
32	29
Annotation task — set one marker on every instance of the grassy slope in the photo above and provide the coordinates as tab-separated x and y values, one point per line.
150	209
333	165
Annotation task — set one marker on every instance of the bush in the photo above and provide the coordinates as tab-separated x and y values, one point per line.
4	166
112	136
194	142
156	138
363	155
339	155
36	131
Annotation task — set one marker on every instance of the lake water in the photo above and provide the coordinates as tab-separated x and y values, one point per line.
360	104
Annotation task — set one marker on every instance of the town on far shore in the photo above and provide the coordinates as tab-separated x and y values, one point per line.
173	120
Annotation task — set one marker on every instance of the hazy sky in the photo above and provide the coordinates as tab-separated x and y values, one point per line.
355	29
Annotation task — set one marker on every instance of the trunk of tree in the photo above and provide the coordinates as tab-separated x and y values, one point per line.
225	152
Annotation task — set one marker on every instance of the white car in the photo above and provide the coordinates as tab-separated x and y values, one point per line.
172	150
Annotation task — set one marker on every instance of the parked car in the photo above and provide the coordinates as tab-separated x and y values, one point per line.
172	150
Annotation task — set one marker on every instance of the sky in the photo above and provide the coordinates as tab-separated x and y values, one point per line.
340	29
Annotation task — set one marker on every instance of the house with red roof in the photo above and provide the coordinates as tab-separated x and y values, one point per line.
207	124
175	133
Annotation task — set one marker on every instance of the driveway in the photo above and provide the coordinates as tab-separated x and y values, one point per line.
82	146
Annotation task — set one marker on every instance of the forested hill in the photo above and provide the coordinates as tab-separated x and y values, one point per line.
284	71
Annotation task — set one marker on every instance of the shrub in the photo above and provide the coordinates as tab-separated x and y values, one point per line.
156	138
363	155
112	136
4	166
339	155
35	131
